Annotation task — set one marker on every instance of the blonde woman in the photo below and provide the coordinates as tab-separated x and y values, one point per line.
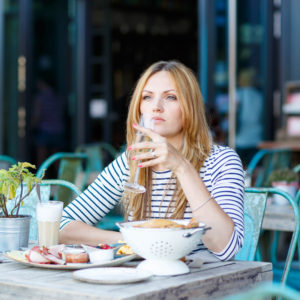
185	174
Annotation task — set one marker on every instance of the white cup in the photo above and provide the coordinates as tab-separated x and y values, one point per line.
48	215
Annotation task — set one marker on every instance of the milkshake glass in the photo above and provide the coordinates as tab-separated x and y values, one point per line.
48	215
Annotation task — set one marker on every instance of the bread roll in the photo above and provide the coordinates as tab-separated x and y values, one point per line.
160	223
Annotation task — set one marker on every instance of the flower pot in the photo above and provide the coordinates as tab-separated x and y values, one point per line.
290	188
14	233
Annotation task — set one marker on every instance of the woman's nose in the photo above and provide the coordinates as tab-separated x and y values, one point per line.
157	104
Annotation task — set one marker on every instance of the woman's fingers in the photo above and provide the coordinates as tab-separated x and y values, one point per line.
143	155
147	145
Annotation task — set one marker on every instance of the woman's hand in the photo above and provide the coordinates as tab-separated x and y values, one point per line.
160	151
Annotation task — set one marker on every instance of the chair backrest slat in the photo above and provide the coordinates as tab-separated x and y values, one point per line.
254	209
99	155
71	165
6	161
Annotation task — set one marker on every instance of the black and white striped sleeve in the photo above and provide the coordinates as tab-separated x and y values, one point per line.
100	197
228	190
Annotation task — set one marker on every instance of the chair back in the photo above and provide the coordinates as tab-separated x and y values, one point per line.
294	239
270	160
254	209
71	167
74	191
6	161
99	155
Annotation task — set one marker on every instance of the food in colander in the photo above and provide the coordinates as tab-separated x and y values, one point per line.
165	223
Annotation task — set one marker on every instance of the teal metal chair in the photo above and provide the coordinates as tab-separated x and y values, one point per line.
99	155
254	208
71	167
62	183
282	272
6	161
264	162
266	291
294	273
282	269
297	170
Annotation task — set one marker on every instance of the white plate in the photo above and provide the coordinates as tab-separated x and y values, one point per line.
111	275
19	256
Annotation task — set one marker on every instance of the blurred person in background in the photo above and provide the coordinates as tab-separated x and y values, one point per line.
249	130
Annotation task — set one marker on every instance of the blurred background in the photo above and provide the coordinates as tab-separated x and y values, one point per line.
68	67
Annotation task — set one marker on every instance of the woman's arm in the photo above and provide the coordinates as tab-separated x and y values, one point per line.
92	205
223	212
77	232
224	239
210	213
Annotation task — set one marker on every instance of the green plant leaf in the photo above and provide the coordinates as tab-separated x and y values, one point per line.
11	179
27	165
286	175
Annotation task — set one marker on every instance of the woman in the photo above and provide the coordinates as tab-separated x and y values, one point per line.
184	173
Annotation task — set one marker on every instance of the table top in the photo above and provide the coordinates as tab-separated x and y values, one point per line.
279	217
293	145
212	280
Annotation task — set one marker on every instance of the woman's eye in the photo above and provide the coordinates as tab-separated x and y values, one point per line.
146	97
171	97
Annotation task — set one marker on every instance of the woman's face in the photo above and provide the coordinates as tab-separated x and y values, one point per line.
160	102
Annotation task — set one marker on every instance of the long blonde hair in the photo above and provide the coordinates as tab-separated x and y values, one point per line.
196	138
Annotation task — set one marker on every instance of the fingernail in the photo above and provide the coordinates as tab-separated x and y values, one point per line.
140	165
133	158
134	124
129	148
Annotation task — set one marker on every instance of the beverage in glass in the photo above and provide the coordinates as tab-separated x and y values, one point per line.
48	216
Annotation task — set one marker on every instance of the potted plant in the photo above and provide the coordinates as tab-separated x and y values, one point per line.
15	186
285	179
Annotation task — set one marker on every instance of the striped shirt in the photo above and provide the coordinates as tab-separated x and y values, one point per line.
222	173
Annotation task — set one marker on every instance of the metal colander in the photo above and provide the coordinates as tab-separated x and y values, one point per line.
162	247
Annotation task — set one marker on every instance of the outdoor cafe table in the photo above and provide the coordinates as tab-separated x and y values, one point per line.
213	280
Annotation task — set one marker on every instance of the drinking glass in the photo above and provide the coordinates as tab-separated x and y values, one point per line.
134	187
48	215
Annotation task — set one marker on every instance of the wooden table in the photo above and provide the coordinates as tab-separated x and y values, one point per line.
279	217
292	145
211	281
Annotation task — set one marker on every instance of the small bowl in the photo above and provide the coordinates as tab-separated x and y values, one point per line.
75	256
71	251
100	255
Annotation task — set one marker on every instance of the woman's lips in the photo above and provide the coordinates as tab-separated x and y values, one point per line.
158	120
